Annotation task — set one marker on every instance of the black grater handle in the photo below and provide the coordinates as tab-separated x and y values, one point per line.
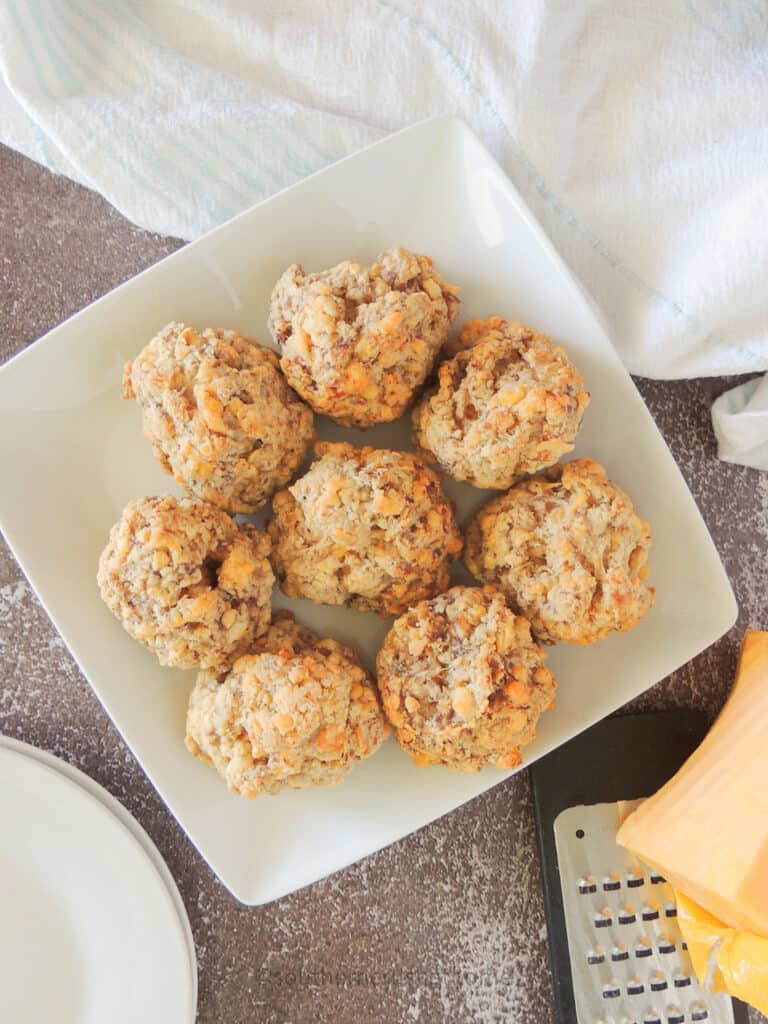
621	758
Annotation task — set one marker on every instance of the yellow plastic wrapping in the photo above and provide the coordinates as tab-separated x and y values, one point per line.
725	960
706	831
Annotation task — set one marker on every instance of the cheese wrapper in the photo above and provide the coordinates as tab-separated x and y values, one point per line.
724	959
706	832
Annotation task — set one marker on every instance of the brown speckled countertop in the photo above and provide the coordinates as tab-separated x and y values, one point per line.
445	926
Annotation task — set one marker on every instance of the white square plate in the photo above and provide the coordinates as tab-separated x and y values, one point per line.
73	454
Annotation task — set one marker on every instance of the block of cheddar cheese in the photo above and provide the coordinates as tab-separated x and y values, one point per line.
706	830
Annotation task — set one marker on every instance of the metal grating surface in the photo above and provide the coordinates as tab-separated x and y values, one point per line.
629	964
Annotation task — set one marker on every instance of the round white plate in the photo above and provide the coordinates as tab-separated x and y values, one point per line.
138	833
89	932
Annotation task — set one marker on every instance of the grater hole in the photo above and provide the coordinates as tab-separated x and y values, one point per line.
684	945
595	956
627	914
643	948
612	882
634	881
635	987
658	982
619	952
611	990
670	910
587	884
675	1015
603	918
666	945
699	1011
681	980
652	1018
650	912
656	879
579	833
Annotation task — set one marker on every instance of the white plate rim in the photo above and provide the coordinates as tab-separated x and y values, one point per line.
112	805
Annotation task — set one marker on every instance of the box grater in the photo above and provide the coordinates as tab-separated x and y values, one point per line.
616	950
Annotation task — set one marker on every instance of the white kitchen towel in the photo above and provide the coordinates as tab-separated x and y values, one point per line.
638	132
740	419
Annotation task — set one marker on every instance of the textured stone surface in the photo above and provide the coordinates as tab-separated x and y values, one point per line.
447	925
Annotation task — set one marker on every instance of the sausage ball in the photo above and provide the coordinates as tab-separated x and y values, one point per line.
219	414
365	527
569	552
462	681
507	404
186	581
298	710
358	341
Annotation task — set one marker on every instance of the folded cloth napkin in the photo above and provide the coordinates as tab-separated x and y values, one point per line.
637	133
740	419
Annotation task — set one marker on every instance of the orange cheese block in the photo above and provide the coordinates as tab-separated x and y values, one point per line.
706	830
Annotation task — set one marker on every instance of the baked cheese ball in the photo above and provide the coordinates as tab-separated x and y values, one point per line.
462	681
219	414
507	404
366	527
569	552
186	581
358	341
298	710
